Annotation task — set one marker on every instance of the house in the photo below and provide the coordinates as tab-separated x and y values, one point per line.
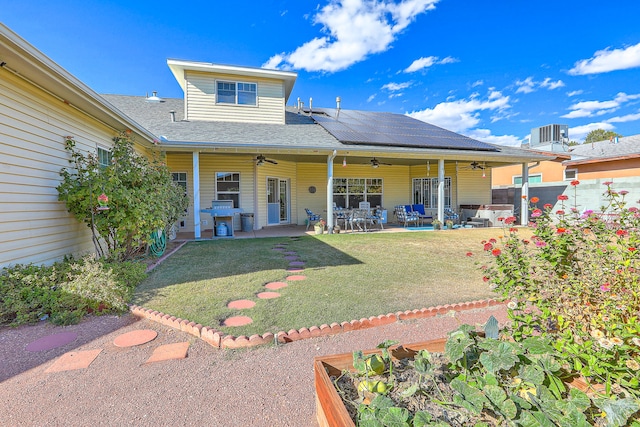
41	103
615	160
232	137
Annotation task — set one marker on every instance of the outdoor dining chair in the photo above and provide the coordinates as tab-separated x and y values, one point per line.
404	217
311	217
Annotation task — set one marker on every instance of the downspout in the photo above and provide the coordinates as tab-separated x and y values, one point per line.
330	191
524	200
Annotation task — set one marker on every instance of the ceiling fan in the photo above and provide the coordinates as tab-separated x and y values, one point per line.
375	163
261	160
476	166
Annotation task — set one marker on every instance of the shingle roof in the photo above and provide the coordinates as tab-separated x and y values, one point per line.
627	147
300	132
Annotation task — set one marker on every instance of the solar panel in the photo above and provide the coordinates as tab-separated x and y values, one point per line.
388	129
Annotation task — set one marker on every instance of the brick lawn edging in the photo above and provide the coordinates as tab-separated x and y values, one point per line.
219	339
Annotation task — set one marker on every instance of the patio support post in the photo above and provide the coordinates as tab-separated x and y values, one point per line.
330	158
524	200
196	194
441	190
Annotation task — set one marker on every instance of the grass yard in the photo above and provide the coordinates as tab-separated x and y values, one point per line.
349	276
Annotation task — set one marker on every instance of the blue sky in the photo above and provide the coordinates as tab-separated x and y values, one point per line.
489	69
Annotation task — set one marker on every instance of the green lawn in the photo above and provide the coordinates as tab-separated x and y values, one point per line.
349	276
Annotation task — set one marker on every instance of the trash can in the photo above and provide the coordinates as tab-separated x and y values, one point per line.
247	221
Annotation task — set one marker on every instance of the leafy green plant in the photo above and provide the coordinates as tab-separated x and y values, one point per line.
142	197
484	381
576	281
65	291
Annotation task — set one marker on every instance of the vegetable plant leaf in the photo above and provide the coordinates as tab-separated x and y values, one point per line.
532	374
456	346
503	358
381	402
537	345
618	410
534	419
395	417
421	419
473	396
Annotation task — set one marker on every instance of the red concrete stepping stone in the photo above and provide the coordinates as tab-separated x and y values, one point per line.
169	352
132	338
296	277
51	341
275	285
296	264
295	270
268	295
74	360
291	257
237	321
241	304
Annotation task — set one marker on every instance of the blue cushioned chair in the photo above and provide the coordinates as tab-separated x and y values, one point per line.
311	218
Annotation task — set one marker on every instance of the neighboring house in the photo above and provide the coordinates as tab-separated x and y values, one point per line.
616	161
232	137
40	104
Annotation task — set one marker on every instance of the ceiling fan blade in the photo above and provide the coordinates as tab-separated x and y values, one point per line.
271	161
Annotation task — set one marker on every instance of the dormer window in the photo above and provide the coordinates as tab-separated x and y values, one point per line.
237	93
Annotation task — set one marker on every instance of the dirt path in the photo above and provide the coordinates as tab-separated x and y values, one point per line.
265	386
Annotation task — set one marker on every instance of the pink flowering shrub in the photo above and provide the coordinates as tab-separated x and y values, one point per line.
576	279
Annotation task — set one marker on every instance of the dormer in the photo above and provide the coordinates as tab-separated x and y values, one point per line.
215	92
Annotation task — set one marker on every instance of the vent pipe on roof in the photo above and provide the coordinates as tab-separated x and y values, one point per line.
154	98
173	115
310	105
298	105
338	105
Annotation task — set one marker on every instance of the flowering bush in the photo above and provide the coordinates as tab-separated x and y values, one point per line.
577	280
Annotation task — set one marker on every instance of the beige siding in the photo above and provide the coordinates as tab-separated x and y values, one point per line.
34	225
201	97
473	189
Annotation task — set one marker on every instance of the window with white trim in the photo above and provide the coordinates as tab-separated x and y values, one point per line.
228	187
349	192
570	174
533	179
104	157
425	192
180	178
237	93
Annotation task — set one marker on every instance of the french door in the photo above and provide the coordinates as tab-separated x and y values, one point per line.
277	201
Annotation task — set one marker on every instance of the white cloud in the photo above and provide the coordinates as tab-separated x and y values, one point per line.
394	87
462	115
354	29
599	108
484	135
477	83
607	60
371	97
575	93
579	133
625	118
529	85
429	61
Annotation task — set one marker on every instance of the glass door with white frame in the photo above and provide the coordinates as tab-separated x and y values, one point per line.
277	201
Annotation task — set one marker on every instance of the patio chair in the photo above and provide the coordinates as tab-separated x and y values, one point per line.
311	217
450	214
419	208
404	217
359	219
376	218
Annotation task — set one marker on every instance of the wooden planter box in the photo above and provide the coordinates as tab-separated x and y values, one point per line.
330	410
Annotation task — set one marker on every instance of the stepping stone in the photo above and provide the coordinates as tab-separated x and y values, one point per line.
51	341
237	321
297	277
296	264
74	360
291	257
295	270
268	295
241	304
169	352
291	253
133	338
275	285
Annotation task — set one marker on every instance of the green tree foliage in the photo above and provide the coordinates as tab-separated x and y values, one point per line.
600	135
142	197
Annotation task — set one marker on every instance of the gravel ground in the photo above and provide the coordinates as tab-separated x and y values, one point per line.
261	387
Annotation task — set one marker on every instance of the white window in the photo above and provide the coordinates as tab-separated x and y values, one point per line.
238	93
180	178
533	179
104	157
349	192
228	187
570	174
425	192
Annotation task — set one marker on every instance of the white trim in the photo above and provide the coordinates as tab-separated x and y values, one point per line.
235	82
564	174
